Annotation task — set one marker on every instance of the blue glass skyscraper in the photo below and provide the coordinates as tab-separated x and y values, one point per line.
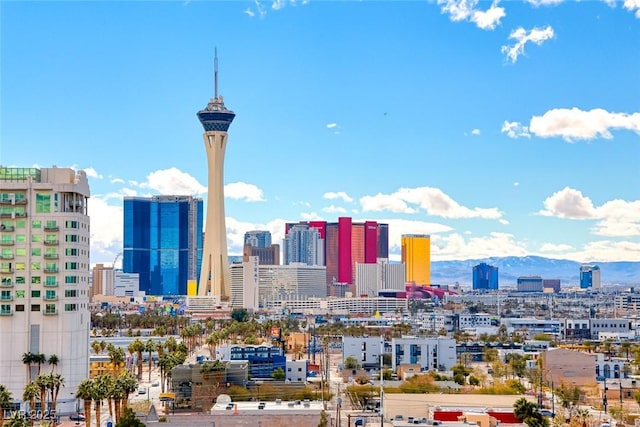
163	242
485	277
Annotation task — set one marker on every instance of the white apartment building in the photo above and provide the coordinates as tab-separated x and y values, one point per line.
366	350
245	279
430	353
475	320
126	284
340	305
44	276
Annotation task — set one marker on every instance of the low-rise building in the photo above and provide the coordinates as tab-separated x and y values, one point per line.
430	353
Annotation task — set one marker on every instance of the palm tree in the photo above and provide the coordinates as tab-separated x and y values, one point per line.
39	358
53	361
55	382
212	342
17	420
138	347
31	394
43	385
99	391
5	400
128	384
27	359
150	347
85	392
95	346
528	412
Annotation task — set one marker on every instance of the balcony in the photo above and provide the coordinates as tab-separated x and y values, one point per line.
7	242
51	269
21	214
3	257
51	242
6	297
6	214
50	298
50	284
7	228
50	256
6	284
50	312
22	201
5	312
51	228
6	270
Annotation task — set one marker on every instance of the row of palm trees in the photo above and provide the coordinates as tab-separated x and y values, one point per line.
43	391
31	359
114	389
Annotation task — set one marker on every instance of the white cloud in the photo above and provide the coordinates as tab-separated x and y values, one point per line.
332	125
606	250
173	181
616	217
116	181
465	10
516	184
398	227
334	209
259	10
503	221
311	216
384	202
515	130
106	227
457	246
92	173
552	247
242	190
432	200
575	124
490	18
568	203
249	12
475	132
631	6
338	195
522	37
538	3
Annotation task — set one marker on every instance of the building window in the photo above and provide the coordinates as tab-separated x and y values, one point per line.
36	223
71	266
71	252
70	307
21	252
35	307
19	307
36	280
36	238
43	203
50	308
71	238
20	280
35	266
20	293
35	294
70	293
70	279
21	238
71	224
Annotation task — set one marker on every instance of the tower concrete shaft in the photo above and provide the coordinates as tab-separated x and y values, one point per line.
215	274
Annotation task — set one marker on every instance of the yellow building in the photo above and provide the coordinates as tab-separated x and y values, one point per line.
101	365
416	256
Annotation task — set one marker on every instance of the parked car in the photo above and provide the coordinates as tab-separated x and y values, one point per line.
547	413
142	390
155	384
77	417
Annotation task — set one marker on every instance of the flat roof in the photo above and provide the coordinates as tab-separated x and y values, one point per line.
271	407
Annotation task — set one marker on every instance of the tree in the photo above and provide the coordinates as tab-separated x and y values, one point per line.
99	391
5	401
351	363
31	394
324	421
27	359
240	315
85	392
137	346
150	347
55	382
129	419
529	413
53	361
278	374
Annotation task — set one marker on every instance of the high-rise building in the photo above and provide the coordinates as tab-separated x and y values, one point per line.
258	238
373	278
44	273
258	243
589	277
215	275
529	284
416	256
347	243
485	277
163	242
303	244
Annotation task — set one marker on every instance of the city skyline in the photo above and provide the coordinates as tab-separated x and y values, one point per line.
497	128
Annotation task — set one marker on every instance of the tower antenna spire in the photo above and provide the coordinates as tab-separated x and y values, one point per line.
215	74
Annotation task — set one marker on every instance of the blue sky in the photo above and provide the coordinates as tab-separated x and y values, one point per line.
500	128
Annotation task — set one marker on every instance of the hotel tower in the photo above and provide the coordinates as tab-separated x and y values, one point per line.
215	274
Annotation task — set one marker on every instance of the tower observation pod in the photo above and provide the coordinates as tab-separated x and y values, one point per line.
215	274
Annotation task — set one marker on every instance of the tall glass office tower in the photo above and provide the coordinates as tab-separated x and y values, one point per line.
163	242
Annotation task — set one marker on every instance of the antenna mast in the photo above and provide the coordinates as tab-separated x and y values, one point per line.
215	74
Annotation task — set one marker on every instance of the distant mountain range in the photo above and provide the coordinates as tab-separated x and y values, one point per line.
510	268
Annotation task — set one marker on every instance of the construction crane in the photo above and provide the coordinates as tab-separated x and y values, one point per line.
115	260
